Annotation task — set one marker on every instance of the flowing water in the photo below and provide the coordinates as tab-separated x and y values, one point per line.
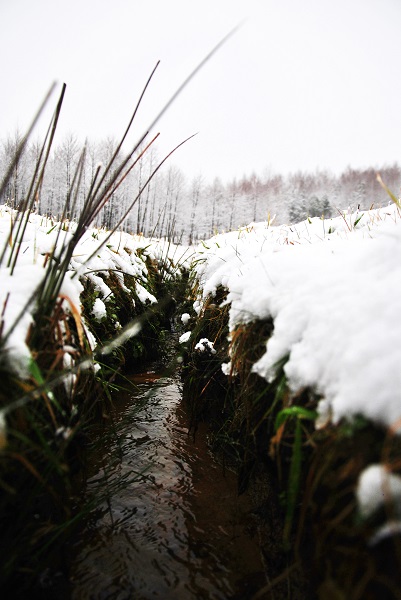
173	526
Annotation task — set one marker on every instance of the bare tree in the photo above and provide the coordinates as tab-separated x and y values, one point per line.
195	194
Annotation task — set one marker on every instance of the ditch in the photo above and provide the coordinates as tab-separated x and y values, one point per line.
173	525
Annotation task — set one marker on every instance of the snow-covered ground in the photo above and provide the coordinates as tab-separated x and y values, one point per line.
123	253
333	290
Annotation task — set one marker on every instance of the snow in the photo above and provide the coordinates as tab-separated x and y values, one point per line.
332	289
184	337
122	253
335	301
15	293
205	345
185	317
99	309
377	486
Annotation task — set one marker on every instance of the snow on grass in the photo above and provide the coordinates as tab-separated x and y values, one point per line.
15	292
99	309
185	318
122	253
377	486
185	337
205	345
333	290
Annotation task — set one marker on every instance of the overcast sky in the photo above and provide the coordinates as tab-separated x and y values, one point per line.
303	84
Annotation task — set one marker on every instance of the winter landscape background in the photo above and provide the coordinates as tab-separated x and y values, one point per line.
188	209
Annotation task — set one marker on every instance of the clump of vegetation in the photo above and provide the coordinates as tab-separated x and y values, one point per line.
204	382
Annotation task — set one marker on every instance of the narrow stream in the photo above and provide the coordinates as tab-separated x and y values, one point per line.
173	526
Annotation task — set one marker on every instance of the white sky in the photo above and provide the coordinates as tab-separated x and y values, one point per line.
302	84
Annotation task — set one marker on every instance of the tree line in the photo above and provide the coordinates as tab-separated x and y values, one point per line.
182	209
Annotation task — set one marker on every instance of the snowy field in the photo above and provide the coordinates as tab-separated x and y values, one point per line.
333	290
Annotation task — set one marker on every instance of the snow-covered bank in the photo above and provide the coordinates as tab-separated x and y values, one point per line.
122	254
332	292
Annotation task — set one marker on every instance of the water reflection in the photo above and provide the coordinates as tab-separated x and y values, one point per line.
175	530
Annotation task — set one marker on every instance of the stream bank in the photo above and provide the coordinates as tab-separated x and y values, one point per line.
292	352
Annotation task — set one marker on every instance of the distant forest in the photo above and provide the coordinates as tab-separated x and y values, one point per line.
188	210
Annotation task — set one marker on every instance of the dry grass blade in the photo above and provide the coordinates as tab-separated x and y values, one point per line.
119	146
192	75
130	207
396	201
34	189
22	145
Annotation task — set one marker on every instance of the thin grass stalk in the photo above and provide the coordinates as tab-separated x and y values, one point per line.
293	481
49	288
96	204
92	185
394	198
162	112
192	75
24	221
180	260
116	152
3	311
32	196
46	291
108	195
75	186
16	235
76	178
138	196
141	223
175	95
46	295
92	204
23	143
153	232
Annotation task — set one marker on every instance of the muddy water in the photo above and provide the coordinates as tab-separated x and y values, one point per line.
173	526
